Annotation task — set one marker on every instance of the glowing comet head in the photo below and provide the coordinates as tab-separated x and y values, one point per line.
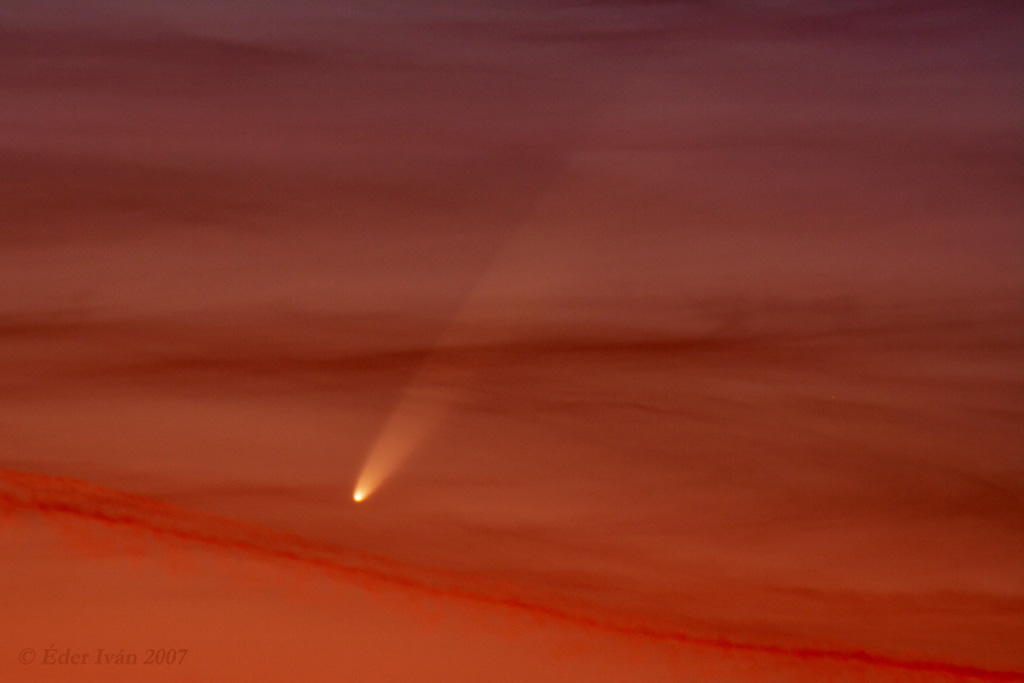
358	496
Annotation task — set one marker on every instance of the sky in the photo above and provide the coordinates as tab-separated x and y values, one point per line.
668	340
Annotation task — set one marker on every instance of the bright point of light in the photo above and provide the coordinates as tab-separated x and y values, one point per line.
358	496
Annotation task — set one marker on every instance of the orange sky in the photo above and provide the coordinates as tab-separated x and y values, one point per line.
709	317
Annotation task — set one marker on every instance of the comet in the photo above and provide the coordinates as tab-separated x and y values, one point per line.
421	409
430	394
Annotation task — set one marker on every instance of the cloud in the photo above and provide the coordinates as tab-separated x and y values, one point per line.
56	497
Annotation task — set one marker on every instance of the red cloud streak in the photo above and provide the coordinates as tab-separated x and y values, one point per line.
55	497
